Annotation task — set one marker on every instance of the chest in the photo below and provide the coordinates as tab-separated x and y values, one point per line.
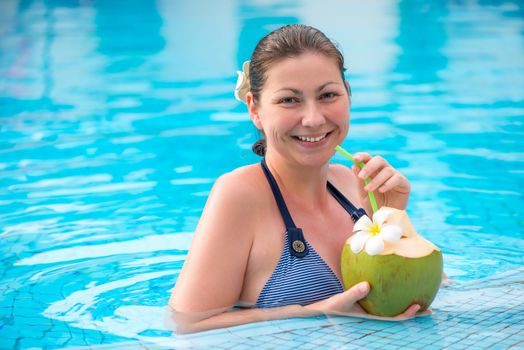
327	233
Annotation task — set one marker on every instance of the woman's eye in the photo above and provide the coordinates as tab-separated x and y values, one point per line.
328	95
288	100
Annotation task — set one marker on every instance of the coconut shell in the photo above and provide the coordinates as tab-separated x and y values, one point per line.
407	272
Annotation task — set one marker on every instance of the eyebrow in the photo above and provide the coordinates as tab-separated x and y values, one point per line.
298	92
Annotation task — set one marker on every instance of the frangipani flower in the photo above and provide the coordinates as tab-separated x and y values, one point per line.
370	235
243	84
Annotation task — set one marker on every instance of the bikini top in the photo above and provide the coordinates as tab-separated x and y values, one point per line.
301	275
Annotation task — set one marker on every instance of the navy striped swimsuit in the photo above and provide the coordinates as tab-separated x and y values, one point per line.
301	276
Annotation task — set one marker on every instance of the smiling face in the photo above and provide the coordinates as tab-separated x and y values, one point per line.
303	109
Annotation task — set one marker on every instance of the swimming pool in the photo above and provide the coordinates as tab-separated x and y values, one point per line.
116	119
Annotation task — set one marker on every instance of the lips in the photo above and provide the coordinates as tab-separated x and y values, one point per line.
312	138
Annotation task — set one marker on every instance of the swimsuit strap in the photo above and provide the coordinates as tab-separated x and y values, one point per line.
345	203
297	243
288	221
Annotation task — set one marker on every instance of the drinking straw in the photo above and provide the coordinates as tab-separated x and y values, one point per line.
371	195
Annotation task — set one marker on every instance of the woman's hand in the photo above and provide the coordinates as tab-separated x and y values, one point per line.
346	304
391	188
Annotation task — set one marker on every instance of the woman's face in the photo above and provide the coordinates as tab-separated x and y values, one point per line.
303	109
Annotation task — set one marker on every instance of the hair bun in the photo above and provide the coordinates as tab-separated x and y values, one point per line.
259	148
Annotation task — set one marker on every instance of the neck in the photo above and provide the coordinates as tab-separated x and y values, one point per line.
306	184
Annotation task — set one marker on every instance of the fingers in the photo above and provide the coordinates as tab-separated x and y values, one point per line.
424	313
384	176
343	303
372	164
411	312
347	300
358	292
361	157
383	179
386	180
353	294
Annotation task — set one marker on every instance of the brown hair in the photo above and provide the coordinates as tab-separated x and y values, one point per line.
284	42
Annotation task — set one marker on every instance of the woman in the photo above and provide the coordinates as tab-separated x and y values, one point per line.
271	234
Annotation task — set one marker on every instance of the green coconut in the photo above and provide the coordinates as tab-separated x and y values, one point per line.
407	272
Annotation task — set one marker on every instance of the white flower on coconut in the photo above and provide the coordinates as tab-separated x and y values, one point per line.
370	235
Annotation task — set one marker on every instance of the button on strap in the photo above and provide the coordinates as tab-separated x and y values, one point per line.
297	244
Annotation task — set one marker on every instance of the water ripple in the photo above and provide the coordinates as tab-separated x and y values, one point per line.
112	134
178	241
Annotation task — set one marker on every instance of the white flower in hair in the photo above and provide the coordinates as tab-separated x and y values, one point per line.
243	84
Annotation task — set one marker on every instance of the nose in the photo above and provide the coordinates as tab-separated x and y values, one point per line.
312	116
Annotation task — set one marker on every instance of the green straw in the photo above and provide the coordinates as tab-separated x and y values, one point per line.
371	195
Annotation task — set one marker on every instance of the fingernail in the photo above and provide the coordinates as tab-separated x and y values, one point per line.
417	308
363	287
363	174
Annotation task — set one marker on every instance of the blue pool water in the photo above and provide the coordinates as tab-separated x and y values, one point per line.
117	117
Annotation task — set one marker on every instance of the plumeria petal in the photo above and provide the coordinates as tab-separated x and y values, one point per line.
374	245
240	82
243	84
391	232
240	79
380	216
245	67
358	241
363	224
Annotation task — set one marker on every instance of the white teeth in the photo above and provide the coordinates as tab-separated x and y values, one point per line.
311	139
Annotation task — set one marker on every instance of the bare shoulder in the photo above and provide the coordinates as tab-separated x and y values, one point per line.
235	198
240	186
345	181
341	176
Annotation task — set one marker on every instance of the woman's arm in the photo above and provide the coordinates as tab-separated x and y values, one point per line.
213	273
203	321
212	278
344	303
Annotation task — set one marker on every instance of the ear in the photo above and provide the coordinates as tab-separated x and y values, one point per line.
253	110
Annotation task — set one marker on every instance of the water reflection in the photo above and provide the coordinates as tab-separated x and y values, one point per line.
421	59
116	119
121	36
257	20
